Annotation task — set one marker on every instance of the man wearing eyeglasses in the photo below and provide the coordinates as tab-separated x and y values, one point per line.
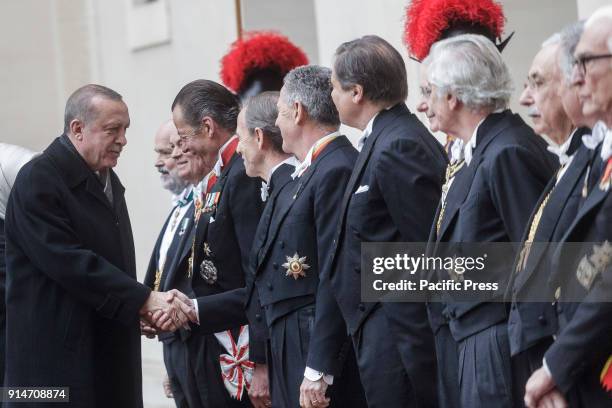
577	364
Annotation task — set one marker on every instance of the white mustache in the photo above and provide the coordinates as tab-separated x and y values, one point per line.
533	111
163	170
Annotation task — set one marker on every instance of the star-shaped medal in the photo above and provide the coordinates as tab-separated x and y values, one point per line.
207	250
296	266
601	255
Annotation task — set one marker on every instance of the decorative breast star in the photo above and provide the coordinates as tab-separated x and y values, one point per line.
296	266
207	250
601	255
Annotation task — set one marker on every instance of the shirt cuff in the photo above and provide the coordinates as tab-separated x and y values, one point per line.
314	376
197	309
546	367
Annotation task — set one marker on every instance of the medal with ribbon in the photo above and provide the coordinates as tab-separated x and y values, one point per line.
236	369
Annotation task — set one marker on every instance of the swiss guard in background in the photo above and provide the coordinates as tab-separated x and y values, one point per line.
258	62
429	21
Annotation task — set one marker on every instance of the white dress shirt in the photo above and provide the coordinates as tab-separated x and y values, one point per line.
366	132
301	168
174	222
292	161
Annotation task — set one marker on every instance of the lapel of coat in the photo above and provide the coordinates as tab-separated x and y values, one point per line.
153	262
201	229
282	177
302	182
551	214
384	118
593	200
493	125
182	250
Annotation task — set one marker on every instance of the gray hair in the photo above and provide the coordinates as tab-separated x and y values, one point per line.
570	35
471	68
260	111
552	40
311	86
79	106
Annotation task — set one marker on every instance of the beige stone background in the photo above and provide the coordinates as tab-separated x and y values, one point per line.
148	49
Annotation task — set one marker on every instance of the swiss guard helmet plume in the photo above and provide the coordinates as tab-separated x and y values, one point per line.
428	21
258	62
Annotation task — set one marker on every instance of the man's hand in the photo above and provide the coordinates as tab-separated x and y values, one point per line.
553	399
147	330
259	392
167	312
167	387
539	384
312	394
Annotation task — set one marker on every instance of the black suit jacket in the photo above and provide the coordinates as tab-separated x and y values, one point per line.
246	297
491	201
228	231
402	165
583	342
174	275
280	183
177	248
72	296
530	321
304	224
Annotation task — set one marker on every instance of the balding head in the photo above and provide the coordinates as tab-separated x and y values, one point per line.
593	71
165	164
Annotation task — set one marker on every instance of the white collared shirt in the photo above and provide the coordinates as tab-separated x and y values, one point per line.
175	220
468	150
561	152
292	161
301	168
366	132
199	190
219	163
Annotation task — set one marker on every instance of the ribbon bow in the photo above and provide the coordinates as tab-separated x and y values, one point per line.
597	136
236	369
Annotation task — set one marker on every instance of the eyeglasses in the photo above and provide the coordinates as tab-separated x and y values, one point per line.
582	61
426	91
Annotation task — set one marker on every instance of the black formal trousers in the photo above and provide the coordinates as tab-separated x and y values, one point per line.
290	337
387	385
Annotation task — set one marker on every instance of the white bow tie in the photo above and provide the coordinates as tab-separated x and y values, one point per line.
457	151
597	135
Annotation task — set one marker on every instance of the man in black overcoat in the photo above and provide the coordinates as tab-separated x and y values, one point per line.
73	302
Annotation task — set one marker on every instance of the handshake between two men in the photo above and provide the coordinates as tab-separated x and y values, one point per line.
166	311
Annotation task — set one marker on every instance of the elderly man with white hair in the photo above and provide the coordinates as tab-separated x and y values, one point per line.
497	175
556	112
578	364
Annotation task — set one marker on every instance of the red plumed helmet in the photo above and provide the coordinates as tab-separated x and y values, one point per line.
428	21
258	51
